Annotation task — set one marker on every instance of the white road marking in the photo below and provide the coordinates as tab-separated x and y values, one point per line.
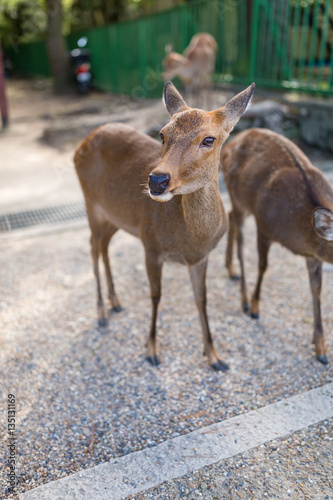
145	469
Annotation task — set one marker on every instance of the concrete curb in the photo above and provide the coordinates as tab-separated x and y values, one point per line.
145	469
44	230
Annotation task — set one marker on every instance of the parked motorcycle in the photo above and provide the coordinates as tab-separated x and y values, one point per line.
82	67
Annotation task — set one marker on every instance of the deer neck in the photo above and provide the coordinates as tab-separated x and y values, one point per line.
203	211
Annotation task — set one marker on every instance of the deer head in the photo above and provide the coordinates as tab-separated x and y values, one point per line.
173	64
191	143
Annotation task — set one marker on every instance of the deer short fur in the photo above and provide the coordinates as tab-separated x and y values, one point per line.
269	177
179	216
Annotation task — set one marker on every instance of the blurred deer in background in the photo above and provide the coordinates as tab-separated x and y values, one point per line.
190	222
196	66
270	177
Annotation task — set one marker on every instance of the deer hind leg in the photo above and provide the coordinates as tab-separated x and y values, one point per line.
113	298
263	248
101	233
198	279
315	274
239	221
232	234
154	271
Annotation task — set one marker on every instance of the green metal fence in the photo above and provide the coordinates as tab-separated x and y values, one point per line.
127	57
278	43
291	44
30	58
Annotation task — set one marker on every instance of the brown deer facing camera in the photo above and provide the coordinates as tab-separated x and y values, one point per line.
270	177
113	164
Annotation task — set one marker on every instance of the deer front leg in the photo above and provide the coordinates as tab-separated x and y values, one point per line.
229	254
315	275
263	248
102	320
154	271
198	280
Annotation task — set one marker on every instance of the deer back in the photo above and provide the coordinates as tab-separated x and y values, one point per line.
201	52
113	164
270	177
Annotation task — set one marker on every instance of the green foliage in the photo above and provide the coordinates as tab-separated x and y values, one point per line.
90	13
26	20
21	20
304	4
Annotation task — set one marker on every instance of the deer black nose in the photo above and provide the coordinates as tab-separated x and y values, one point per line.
158	183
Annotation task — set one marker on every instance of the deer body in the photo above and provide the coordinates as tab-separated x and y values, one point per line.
182	219
196	65
197	231
270	177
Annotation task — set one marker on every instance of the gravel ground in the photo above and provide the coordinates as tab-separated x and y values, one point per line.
85	395
295	467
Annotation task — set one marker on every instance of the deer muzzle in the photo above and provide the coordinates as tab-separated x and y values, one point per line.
158	183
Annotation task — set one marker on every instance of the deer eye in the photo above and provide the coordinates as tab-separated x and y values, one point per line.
207	142
162	137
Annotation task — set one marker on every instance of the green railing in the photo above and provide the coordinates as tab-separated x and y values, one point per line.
292	44
277	43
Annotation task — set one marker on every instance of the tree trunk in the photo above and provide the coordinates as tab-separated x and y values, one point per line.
3	100
56	46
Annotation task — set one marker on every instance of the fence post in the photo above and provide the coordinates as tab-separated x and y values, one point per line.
324	40
142	52
254	37
184	18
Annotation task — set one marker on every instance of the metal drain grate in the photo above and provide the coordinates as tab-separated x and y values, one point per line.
51	215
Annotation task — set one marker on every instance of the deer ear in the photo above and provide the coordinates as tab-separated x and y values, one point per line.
323	223
236	107
173	101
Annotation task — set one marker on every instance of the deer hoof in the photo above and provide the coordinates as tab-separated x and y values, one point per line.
322	358
102	322
117	309
245	308
154	360
220	366
234	277
255	315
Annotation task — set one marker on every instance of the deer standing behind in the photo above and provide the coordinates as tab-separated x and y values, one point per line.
195	66
270	177
113	164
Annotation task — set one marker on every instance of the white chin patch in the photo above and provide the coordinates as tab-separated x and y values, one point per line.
161	197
